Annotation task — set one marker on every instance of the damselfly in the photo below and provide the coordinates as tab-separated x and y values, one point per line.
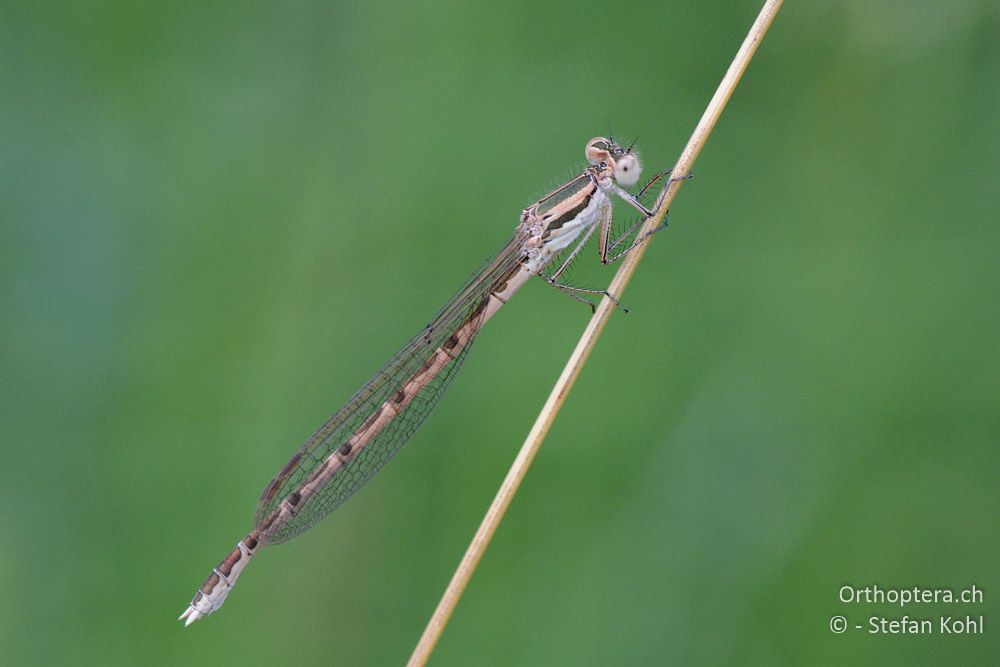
363	435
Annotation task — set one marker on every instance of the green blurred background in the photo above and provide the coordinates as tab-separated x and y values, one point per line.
217	222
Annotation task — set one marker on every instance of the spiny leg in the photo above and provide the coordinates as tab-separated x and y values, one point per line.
604	247
569	289
572	254
633	200
642	239
653	180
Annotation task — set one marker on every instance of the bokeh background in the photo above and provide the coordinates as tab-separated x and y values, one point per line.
218	220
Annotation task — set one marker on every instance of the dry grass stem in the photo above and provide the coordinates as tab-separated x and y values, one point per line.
587	341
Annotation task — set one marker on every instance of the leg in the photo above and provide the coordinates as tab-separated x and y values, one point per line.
569	290
573	253
639	241
633	200
604	255
643	189
574	292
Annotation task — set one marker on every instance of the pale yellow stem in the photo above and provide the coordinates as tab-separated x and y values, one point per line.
587	341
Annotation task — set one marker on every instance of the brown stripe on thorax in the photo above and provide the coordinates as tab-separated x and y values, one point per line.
580	182
567	210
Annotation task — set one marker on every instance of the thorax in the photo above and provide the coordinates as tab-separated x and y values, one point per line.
558	219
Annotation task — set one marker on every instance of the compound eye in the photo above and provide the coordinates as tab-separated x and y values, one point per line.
598	149
628	169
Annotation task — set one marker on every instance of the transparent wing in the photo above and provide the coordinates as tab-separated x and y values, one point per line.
420	358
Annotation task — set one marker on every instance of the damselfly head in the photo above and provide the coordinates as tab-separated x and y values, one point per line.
623	162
